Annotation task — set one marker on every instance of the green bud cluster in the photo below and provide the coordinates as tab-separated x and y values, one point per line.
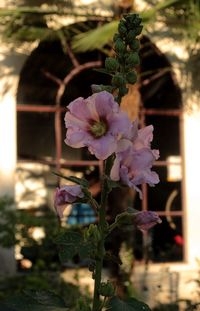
92	233
106	289
126	46
121	67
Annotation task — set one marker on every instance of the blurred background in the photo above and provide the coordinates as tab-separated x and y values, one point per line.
49	50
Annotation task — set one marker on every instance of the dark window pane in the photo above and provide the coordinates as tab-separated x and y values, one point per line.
35	135
162	243
160	89
160	196
166	135
167	240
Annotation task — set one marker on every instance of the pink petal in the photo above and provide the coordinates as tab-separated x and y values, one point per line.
105	104
74	190
103	147
142	159
114	174
73	121
119	124
123	144
75	138
79	109
144	138
60	210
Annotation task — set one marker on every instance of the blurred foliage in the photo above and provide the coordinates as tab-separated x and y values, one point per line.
17	227
181	16
25	23
12	286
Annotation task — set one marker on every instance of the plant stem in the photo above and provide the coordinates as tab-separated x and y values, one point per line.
100	249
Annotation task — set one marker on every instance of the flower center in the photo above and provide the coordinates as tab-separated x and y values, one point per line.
98	129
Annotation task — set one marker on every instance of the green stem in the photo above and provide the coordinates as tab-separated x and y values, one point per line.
97	306
112	227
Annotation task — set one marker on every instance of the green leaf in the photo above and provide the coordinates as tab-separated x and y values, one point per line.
102	70
86	249
132	304
69	244
97	38
80	181
72	243
36	301
94	39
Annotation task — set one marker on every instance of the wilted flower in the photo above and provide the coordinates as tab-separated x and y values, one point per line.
134	159
66	195
145	220
97	123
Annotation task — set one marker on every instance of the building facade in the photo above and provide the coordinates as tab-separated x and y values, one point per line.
178	120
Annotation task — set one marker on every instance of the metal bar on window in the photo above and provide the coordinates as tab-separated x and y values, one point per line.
162	112
39	108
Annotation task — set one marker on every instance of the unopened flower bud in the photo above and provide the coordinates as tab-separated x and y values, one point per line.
146	219
131	77
132	20
118	80
92	233
111	64
120	47
122	28
138	30
130	36
96	88
134	45
106	289
132	59
123	90
66	195
116	37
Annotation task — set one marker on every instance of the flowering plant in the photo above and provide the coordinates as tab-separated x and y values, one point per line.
99	124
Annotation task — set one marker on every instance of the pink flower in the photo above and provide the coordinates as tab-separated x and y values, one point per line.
97	123
66	195
134	159
146	219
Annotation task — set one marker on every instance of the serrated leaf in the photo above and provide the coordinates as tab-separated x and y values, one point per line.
69	237
86	249
69	244
79	181
132	304
72	243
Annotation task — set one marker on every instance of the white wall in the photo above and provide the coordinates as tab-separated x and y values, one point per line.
10	64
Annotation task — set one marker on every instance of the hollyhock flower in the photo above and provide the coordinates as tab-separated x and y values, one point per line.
97	123
134	159
145	220
66	195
